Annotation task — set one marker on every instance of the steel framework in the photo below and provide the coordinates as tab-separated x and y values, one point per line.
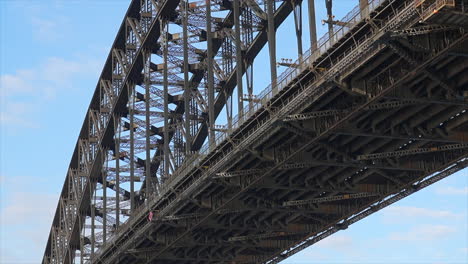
177	162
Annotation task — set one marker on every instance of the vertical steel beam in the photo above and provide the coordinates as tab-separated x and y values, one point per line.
272	42
312	25
93	237
228	110
166	102
82	249
146	72
187	88
363	3
249	77
209	44
247	37
329	6
131	96
117	169
298	25
239	60
363	6
104	200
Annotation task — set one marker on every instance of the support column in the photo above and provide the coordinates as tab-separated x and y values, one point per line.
247	37
239	61
329	5
104	200
249	77
312	25
82	249
166	104
93	236
363	5
209	40
272	42
298	26
228	110
117	169
131	96
187	88
147	57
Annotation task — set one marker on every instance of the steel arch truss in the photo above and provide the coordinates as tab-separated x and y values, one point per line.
375	111
173	68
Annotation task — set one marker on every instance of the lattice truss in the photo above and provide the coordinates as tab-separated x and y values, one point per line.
167	114
177	71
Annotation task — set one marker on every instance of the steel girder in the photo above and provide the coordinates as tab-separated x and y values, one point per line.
132	98
330	98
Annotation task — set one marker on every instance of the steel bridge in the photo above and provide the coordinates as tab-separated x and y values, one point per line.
180	161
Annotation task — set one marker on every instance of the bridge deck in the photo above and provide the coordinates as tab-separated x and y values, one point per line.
363	119
364	108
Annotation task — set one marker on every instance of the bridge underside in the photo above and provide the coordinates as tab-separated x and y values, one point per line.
377	115
388	121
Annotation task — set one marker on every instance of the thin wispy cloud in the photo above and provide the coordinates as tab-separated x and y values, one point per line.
397	213
336	242
22	210
28	215
45	79
25	91
25	205
51	28
17	115
450	190
17	83
45	30
424	233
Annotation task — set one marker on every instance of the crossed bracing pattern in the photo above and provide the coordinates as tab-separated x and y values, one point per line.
271	183
167	56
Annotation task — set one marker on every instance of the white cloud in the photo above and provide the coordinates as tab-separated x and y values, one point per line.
402	213
49	30
319	251
17	114
306	255
24	92
26	207
17	83
336	242
26	216
47	78
423	233
449	190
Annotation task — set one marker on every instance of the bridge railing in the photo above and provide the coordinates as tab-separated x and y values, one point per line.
291	73
310	56
428	11
305	61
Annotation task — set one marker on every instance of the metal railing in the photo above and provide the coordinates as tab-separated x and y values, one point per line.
434	8
283	80
310	56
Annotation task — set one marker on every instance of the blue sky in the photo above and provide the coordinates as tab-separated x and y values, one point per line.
51	55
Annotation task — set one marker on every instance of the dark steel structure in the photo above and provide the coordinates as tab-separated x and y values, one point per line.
179	161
